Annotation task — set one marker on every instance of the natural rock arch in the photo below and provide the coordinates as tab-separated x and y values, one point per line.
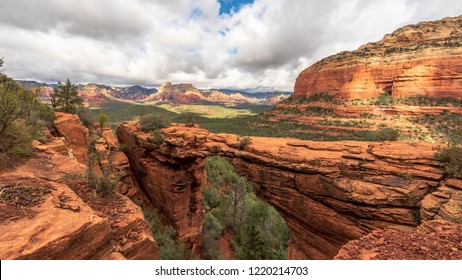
328	193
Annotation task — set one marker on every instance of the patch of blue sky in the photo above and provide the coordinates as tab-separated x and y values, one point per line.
194	51
224	31
143	50
233	51
196	13
229	6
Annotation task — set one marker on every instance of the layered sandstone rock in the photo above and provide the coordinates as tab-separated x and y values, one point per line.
46	212
76	134
77	139
444	203
108	148
328	193
424	58
173	183
63	226
357	110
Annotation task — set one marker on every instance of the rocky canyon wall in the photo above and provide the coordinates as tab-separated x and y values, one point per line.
328	193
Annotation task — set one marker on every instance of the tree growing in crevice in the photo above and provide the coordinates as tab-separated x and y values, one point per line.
259	231
169	246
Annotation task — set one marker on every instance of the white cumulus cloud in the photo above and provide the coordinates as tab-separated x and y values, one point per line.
262	45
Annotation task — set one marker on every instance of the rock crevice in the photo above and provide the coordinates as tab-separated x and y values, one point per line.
328	192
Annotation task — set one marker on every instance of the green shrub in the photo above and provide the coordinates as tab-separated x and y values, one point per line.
103	120
157	137
105	183
388	134
323	97
383	134
190	119
244	142
169	246
22	116
451	155
212	230
451	158
153	121
85	116
384	99
211	197
17	140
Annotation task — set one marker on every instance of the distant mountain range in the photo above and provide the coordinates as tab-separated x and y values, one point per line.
96	95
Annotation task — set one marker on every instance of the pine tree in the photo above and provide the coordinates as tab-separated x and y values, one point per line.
65	97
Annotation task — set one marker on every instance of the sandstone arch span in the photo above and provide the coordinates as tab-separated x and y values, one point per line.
328	192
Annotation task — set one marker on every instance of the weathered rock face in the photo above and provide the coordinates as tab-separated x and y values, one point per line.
76	134
45	216
433	240
424	58
328	193
63	226
173	184
107	147
445	203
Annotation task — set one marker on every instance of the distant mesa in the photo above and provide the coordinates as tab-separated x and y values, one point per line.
182	93
424	58
189	94
96	95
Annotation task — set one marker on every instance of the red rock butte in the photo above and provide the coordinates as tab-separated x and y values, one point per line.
424	58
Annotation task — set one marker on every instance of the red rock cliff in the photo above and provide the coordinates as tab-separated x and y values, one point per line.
328	193
424	58
44	216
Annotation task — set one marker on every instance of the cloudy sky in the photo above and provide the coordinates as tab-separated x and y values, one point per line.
240	44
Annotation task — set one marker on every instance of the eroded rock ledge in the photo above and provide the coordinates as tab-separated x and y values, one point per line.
43	217
328	193
433	240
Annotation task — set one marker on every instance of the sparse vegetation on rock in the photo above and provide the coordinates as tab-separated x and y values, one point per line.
153	121
22	116
102	177
451	155
382	134
243	142
103	120
156	136
191	120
